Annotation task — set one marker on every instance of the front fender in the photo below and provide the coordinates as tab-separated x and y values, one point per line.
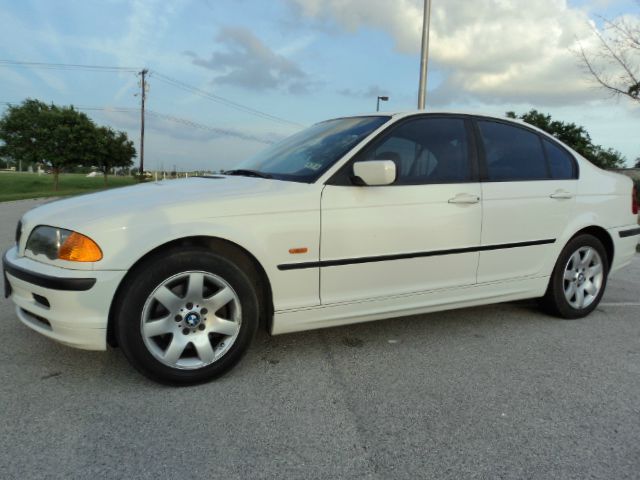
268	237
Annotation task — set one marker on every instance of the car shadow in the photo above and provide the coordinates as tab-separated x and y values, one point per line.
58	363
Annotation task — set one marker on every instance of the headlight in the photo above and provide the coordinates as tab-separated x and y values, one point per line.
60	244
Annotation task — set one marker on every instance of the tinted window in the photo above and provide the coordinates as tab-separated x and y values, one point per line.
512	153
561	163
305	156
425	150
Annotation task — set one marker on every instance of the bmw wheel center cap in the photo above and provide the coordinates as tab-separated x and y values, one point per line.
192	319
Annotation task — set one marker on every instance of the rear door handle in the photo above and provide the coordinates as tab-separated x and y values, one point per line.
561	194
465	198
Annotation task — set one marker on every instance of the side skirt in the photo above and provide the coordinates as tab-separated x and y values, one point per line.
324	316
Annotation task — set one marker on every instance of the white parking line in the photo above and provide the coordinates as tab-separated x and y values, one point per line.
620	304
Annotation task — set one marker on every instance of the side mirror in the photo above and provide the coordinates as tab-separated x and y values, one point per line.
375	172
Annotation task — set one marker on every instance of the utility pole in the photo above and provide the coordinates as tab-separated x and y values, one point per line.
143	96
424	57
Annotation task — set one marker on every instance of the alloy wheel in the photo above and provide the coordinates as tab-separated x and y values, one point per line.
583	277
191	320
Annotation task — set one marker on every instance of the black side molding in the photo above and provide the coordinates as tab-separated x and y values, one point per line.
629	233
46	281
403	256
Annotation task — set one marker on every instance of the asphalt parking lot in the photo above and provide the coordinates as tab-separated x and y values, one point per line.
494	392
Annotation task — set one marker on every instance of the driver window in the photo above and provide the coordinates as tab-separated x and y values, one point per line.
426	150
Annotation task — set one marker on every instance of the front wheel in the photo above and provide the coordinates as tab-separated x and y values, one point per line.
578	280
186	317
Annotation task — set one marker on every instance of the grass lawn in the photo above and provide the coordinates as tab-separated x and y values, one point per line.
18	186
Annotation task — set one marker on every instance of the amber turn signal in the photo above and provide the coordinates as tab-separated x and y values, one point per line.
78	248
294	251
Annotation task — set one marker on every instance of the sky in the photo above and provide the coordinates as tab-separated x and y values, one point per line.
265	69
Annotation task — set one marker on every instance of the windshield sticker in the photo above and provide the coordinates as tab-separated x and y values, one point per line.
313	166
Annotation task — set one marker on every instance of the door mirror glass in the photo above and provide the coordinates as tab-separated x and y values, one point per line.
375	172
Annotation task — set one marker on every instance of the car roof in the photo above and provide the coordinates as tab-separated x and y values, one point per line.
396	115
407	113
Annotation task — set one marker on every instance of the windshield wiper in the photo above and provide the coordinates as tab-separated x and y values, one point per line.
247	173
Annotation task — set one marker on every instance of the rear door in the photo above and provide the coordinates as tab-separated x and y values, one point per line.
528	191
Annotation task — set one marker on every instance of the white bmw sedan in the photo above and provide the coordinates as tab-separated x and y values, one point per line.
353	219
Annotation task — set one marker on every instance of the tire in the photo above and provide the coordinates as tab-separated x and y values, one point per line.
578	280
186	316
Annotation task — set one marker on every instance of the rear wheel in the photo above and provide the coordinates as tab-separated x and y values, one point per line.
578	280
187	317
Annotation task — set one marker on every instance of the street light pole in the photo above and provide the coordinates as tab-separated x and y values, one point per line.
424	57
384	98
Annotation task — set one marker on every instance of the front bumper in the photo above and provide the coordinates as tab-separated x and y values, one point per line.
69	306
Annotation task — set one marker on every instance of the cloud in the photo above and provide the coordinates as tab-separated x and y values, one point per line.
147	21
13	28
373	91
245	61
490	51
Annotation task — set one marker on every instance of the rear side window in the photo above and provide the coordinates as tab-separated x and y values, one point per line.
561	164
512	153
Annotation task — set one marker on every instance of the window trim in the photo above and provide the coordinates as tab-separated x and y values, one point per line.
482	159
575	172
338	178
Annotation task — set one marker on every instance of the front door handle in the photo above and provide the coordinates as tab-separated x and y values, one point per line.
561	194
465	198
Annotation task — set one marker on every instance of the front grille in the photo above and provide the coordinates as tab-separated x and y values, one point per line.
18	232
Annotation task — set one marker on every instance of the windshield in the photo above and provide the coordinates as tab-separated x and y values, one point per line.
305	156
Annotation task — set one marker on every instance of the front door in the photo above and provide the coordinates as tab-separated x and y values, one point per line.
418	234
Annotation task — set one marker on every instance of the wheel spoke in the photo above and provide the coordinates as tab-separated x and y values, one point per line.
579	297
168	299
225	327
220	299
588	256
569	275
158	327
595	270
196	286
590	288
574	261
174	351
570	290
204	349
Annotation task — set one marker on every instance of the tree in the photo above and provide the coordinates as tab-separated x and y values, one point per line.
61	138
615	62
35	132
637	165
111	150
575	136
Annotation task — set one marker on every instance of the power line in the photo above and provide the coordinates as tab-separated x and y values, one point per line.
217	98
163	78
172	118
220	131
88	107
66	66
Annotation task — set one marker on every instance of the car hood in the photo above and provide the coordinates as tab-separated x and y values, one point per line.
196	197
